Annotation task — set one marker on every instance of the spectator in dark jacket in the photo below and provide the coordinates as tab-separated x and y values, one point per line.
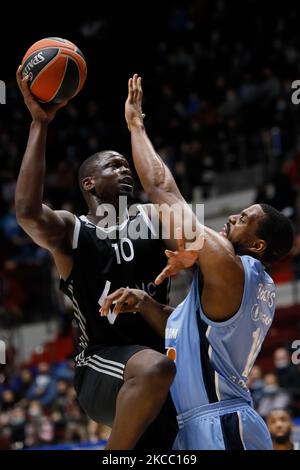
288	374
43	388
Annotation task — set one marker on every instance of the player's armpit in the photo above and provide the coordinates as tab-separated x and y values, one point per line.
53	230
50	229
223	277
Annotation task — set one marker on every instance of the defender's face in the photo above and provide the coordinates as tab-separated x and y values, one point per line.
241	228
112	178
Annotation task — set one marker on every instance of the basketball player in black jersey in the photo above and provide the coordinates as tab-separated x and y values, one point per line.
122	378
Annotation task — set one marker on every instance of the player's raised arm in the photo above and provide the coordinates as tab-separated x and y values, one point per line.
155	176
48	228
153	173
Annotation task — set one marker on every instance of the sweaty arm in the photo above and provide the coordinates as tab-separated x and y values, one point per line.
135	300
49	229
222	270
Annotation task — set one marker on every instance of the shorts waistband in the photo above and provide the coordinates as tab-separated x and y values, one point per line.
212	409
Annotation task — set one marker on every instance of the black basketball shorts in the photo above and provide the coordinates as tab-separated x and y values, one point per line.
98	379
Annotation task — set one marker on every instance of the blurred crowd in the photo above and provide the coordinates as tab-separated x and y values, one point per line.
277	388
38	405
218	85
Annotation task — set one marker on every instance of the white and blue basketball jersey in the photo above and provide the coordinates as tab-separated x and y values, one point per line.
213	359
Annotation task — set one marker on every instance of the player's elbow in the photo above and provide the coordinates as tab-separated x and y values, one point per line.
163	193
25	214
161	180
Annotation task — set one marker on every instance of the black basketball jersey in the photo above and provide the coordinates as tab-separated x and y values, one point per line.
105	260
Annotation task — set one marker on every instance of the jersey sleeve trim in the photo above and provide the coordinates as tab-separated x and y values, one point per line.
63	284
147	219
76	233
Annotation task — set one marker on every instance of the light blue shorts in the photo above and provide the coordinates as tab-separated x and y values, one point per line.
228	425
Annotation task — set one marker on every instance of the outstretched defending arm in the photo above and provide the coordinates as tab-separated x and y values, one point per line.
49	229
155	176
222	270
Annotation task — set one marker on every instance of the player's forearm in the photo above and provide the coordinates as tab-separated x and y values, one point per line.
30	183
159	184
155	314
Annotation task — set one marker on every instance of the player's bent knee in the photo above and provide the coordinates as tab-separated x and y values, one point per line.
162	370
150	366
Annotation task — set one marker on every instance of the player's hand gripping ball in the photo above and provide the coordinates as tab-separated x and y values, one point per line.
56	68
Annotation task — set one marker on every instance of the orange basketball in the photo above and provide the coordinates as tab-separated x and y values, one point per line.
56	68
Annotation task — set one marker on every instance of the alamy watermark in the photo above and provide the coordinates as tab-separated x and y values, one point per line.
296	94
2	92
296	354
160	221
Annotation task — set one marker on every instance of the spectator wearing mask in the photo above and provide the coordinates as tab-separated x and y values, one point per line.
43	388
17	420
8	399
287	373
256	385
273	396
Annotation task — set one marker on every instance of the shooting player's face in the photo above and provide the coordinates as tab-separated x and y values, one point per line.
111	178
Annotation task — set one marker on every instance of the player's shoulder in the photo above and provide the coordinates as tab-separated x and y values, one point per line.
251	264
256	271
68	217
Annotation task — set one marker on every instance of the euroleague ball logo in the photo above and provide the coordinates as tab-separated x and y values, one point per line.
37	59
